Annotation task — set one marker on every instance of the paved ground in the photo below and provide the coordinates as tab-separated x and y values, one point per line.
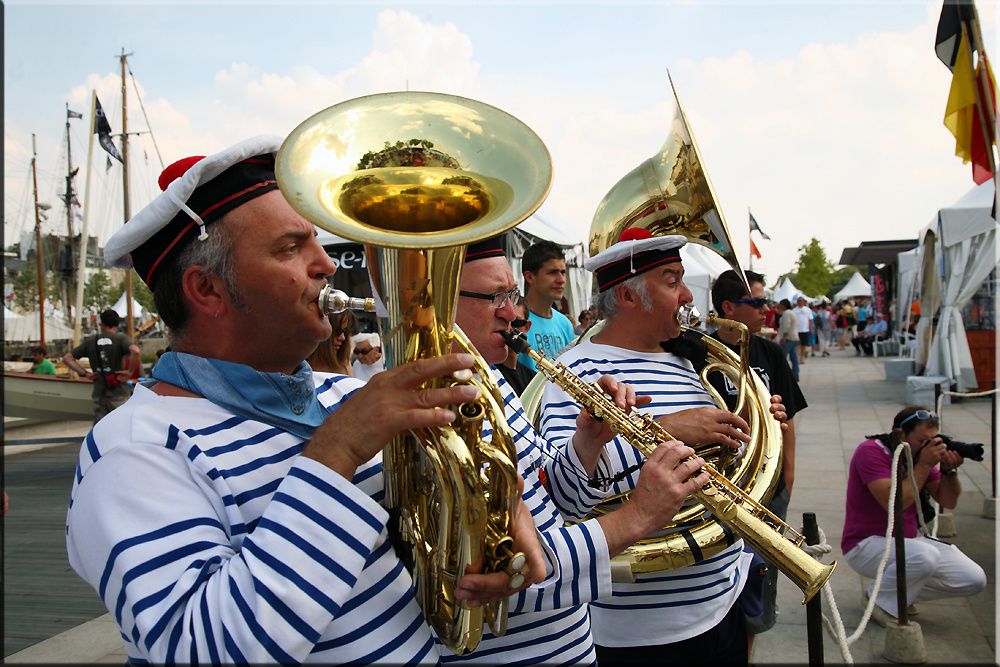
848	397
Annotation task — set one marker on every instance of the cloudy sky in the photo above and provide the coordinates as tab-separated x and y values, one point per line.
822	118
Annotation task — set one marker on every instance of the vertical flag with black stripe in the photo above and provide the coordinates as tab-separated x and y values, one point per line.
103	129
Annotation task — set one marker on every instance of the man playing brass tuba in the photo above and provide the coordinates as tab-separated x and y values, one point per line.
689	614
223	513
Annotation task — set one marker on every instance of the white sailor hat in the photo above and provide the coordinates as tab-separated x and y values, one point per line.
636	252
197	191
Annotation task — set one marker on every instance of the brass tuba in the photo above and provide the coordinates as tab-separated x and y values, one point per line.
416	177
670	193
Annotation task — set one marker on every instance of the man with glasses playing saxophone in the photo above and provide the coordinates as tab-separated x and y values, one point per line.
686	615
548	622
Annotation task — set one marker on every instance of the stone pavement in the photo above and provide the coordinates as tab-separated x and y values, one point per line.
848	398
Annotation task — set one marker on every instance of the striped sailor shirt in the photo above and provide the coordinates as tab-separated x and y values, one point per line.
660	607
211	540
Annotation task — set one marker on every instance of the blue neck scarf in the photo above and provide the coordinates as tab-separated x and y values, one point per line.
286	401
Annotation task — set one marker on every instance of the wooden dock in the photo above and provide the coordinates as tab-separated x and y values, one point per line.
42	596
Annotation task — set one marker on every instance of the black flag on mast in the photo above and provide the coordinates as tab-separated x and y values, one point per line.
73	114
103	129
755	226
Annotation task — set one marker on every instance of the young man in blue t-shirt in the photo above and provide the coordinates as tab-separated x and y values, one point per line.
544	268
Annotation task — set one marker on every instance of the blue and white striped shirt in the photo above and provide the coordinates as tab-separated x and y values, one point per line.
548	622
660	607
211	540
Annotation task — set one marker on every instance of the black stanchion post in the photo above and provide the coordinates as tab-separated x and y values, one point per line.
814	608
900	534
993	441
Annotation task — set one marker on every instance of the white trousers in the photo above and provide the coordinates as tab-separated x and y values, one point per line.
933	570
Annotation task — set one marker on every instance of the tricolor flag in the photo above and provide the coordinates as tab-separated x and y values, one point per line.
103	129
970	112
755	226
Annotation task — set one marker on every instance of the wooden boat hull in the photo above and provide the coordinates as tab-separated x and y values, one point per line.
46	398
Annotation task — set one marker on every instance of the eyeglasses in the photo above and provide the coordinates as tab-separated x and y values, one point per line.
498	298
922	415
517	324
758	302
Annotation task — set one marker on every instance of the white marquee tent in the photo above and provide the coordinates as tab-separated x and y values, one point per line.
786	290
25	328
121	308
959	251
856	286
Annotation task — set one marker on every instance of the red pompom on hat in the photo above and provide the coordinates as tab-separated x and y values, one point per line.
176	170
197	191
636	252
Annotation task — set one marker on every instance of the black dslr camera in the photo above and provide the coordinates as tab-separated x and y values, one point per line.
967	450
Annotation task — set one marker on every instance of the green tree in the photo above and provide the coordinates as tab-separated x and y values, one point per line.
25	287
97	293
814	273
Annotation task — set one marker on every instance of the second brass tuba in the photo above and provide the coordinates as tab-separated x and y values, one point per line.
416	177
670	193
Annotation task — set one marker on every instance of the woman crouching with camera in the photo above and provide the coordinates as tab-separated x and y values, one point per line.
934	569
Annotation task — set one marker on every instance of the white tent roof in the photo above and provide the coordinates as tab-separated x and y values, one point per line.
24	328
968	217
856	286
786	290
121	308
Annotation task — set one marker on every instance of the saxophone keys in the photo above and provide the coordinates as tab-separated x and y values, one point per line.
514	567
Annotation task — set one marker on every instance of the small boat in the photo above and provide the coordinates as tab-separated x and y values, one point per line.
46	397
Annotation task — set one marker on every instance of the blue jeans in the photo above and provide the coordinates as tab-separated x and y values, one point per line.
791	350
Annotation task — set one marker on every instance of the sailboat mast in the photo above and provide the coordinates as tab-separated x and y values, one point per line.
38	246
126	203
69	218
82	267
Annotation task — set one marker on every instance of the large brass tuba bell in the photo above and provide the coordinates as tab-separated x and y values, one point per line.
670	193
416	177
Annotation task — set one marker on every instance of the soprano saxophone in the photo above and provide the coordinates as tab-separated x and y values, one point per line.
766	533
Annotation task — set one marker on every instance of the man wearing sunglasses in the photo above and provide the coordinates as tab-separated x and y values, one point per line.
731	301
514	372
933	569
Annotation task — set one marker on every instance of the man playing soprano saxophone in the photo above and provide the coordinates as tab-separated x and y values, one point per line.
548	622
686	615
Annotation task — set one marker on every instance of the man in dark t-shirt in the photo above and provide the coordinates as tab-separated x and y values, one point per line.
107	351
517	374
731	301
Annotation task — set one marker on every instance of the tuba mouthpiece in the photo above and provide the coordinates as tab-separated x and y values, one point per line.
333	301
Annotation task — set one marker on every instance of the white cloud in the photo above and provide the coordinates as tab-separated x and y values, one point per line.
842	141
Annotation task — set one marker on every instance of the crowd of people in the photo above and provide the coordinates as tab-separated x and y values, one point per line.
233	508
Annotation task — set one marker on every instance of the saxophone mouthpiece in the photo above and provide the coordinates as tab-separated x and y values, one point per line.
516	341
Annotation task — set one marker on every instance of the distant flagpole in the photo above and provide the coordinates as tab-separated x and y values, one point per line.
749	238
82	275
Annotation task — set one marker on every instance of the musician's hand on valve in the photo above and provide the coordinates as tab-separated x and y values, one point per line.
391	402
665	481
697	426
592	433
474	590
779	412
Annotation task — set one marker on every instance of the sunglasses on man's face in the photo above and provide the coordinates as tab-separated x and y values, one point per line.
517	324
758	302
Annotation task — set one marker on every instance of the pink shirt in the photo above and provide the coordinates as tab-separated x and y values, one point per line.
864	515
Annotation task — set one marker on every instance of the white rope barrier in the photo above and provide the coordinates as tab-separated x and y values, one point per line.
836	627
960	394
